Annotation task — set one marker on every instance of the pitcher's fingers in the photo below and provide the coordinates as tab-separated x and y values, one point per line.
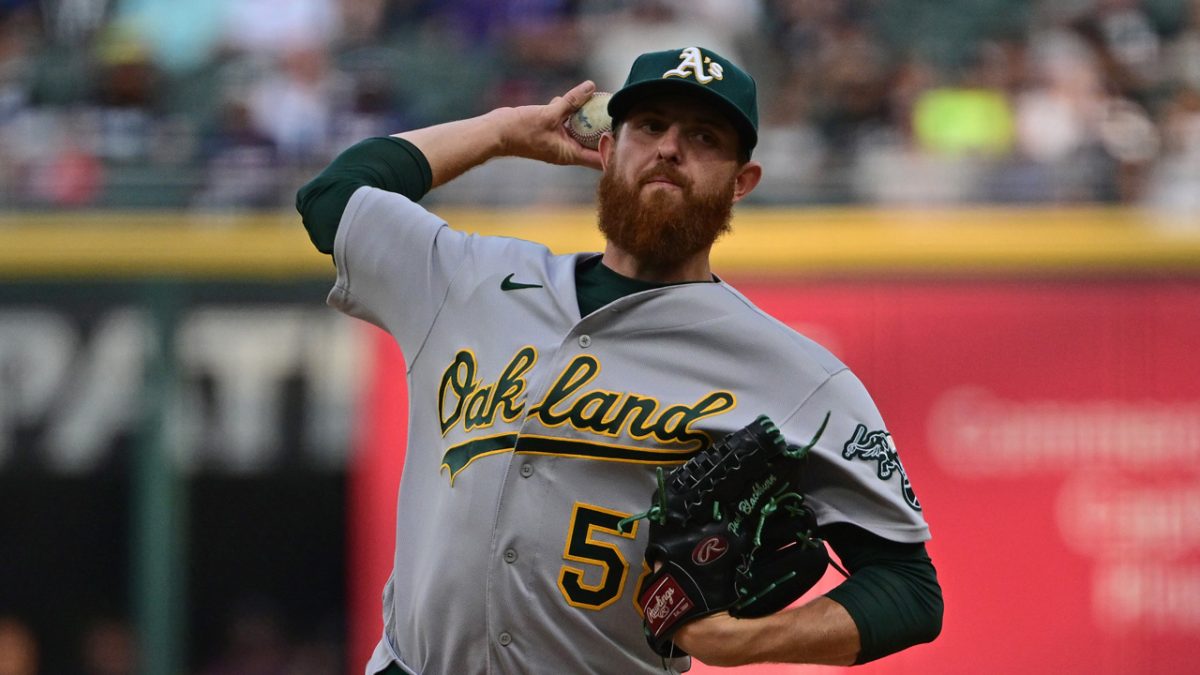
572	100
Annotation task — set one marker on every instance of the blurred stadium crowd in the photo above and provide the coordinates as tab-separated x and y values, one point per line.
214	104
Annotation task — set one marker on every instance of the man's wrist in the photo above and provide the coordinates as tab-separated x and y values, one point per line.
719	640
502	122
820	632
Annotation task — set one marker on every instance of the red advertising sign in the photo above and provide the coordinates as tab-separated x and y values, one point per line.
1052	432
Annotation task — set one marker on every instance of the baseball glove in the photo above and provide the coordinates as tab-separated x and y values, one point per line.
729	532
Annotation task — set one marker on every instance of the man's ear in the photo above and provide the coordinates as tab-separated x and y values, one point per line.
607	143
746	179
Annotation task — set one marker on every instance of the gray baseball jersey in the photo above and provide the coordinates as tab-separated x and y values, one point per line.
533	431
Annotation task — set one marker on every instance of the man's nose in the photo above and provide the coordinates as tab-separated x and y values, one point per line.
668	144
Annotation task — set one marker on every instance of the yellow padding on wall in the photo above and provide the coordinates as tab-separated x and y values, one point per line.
774	242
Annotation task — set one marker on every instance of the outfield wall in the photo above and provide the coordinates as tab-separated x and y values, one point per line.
775	242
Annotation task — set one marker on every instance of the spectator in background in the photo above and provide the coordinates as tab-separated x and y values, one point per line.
45	152
843	72
126	100
182	36
295	105
971	118
1126	46
960	127
18	34
18	648
376	106
146	149
615	29
791	149
1057	115
543	54
280	26
73	23
240	164
364	21
852	73
1172	182
494	20
69	176
1182	55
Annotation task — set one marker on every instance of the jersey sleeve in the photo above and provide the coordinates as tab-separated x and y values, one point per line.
854	474
892	594
390	163
395	263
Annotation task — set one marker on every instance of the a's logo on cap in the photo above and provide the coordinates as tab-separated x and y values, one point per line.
692	63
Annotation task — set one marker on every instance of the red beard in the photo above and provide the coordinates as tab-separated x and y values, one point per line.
660	229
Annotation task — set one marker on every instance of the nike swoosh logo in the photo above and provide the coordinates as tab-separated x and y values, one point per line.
509	285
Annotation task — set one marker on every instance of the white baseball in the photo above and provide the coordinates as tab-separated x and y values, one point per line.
589	123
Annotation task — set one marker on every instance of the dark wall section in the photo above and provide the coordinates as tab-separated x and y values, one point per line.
265	564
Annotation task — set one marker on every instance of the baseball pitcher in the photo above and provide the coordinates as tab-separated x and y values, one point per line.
616	462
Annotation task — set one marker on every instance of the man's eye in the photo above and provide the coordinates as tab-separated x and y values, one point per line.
708	138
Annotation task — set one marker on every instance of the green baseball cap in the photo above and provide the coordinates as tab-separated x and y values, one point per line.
697	70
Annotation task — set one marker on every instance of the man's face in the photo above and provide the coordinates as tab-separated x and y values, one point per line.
670	179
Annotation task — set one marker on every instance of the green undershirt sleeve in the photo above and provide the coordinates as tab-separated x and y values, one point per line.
892	594
387	162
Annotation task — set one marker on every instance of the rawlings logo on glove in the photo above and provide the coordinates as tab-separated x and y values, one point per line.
710	550
729	532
